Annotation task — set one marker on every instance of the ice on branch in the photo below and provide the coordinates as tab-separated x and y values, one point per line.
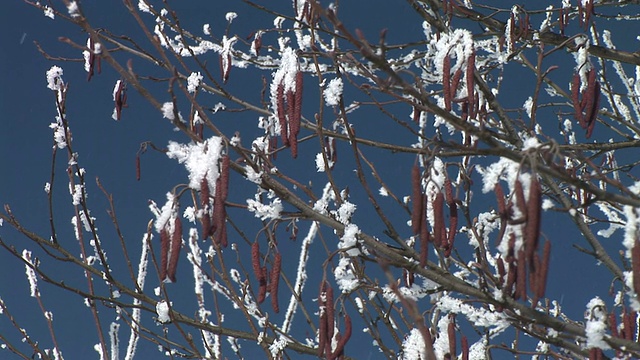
265	211
162	309
200	159
596	317
48	12
413	346
230	16
333	92
495	321
73	9
31	274
54	78
193	81
345	278
143	6
349	241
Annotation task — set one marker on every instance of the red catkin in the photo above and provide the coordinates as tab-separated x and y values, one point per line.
274	281
164	253
176	244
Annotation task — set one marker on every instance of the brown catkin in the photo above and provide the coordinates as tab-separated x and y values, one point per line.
290	97
424	243
519	194
465	348
348	328
438	219
274	281
534	209
502	207
593	114
416	114
446	82
298	99
451	332
471	69
613	325
455	82
262	290
224	178
521	281
330	313
635	266
282	115
448	192
544	269
501	272
511	278
255	260
575	98
453	225
176	244
204	205
138	167
322	326
416	199
164	253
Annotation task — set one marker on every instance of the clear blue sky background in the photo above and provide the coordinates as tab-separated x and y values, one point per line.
107	150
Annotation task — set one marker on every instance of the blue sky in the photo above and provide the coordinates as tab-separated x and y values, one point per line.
108	150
